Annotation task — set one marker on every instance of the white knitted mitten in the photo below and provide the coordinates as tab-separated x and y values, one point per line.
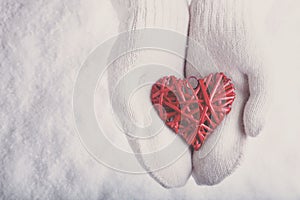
223	28
133	112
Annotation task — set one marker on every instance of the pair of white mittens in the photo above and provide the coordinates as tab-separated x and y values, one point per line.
223	28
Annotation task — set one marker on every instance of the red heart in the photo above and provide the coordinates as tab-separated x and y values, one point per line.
191	112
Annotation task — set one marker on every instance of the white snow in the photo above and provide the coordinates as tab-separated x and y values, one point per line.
43	44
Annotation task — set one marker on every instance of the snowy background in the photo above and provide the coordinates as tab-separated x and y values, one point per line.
43	44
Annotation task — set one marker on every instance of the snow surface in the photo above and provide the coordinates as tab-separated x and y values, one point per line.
43	44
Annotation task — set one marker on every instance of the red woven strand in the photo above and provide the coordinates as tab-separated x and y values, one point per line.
191	112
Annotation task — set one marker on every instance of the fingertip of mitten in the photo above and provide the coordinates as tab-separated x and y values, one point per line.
254	119
253	129
207	175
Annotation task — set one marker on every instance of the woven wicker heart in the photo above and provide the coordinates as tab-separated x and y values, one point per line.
193	112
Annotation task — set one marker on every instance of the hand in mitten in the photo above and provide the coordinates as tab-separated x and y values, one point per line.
223	28
170	165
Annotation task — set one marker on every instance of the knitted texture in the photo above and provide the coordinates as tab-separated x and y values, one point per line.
222	28
226	31
161	14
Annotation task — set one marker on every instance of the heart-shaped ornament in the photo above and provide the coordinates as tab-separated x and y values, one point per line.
193	112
